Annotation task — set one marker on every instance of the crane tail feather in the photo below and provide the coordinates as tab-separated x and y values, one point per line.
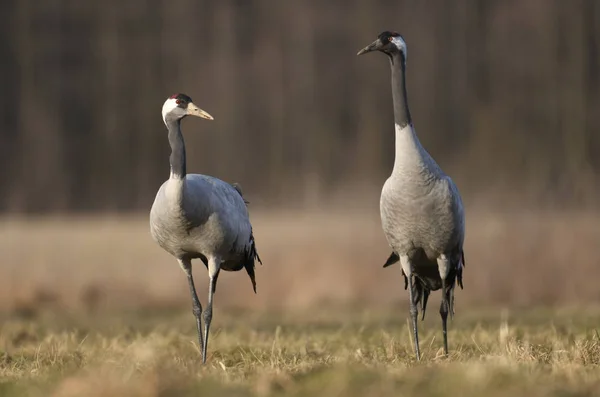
424	299
250	271
249	263
420	294
392	259
459	272
238	188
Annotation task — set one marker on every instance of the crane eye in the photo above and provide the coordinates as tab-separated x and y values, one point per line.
179	101
390	38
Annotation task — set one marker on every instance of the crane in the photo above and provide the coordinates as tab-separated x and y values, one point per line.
422	214
200	217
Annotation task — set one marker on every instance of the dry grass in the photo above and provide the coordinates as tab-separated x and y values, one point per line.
332	353
91	307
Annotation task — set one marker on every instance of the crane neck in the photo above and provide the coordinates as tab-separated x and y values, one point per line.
409	154
399	95
177	159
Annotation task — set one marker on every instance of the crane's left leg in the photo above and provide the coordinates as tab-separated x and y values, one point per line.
214	266
186	265
444	269
444	314
407	268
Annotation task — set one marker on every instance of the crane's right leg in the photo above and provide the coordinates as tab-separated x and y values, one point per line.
444	268
407	268
214	266
186	265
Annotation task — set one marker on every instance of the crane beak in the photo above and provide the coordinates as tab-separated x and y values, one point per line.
374	46
193	110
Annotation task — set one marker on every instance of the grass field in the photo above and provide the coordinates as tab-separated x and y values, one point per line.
92	307
329	353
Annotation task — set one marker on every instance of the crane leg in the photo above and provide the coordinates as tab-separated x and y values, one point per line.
214	266
444	269
413	315
407	269
186	265
444	314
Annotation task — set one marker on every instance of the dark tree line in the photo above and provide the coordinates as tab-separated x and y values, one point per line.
505	94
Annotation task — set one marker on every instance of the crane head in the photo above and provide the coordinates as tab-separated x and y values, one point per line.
178	106
388	43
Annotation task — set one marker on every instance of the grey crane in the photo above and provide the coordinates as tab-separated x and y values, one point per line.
198	216
421	209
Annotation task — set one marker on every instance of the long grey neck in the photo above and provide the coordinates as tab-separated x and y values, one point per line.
177	158
401	112
410	155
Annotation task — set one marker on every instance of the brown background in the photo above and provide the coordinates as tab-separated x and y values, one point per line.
504	94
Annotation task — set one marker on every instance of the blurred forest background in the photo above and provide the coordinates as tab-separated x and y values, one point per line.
504	93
